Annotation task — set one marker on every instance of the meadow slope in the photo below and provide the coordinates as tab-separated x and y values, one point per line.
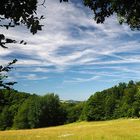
124	129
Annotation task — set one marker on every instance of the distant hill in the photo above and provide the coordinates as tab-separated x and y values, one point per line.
70	101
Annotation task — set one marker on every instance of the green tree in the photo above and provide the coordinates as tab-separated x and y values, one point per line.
116	102
136	104
10	101
28	114
94	108
110	105
51	111
74	111
5	119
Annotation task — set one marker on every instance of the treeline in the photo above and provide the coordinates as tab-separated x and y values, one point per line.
117	102
24	111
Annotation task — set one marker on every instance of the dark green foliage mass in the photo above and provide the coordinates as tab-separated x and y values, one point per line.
74	111
20	12
24	111
95	107
10	102
128	11
28	114
117	102
5	118
52	113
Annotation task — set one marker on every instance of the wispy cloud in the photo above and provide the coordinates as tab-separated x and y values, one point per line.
71	39
81	80
27	77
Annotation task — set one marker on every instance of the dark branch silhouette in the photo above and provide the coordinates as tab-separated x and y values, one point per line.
3	75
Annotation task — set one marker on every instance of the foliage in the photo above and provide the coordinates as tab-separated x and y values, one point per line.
3	76
23	12
28	114
5	119
10	102
19	12
14	13
116	102
74	111
52	113
128	11
21	110
94	109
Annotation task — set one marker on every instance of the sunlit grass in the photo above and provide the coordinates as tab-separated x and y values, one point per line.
127	129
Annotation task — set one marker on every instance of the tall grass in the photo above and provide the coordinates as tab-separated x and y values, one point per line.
127	129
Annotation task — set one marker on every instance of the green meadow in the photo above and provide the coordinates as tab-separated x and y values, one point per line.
122	129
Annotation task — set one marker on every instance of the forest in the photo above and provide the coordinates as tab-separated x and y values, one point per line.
20	110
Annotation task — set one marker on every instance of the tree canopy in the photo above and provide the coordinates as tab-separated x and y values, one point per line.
116	102
23	12
20	110
128	11
20	12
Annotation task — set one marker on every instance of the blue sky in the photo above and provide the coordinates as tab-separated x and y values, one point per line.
73	56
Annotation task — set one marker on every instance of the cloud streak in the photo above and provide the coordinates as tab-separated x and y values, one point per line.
71	39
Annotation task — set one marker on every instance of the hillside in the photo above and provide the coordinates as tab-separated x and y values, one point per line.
27	111
122	100
128	129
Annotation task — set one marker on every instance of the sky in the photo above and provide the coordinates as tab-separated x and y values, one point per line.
72	56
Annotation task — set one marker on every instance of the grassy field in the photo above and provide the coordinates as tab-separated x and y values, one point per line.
128	129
